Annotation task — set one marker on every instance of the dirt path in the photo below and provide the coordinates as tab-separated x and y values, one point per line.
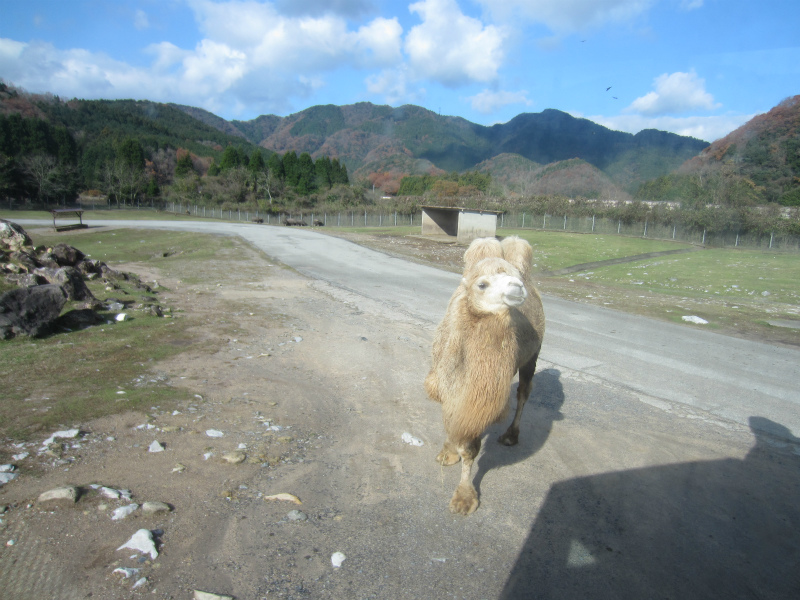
315	387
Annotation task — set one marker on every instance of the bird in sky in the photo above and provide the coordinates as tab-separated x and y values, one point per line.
608	88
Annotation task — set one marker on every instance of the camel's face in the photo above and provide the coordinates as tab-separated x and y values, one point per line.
494	285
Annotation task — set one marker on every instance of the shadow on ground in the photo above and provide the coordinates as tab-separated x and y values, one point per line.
713	529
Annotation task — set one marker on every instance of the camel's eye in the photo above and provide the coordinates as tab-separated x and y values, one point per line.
483	285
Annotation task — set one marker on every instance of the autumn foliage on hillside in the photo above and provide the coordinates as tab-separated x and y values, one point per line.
761	158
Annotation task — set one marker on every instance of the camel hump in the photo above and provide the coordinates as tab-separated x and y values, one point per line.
519	253
481	248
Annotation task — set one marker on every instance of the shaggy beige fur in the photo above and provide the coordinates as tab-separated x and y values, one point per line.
493	328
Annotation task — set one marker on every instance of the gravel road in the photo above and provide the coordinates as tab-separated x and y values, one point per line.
654	461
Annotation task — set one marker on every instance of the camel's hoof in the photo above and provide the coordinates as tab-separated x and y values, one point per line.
464	501
509	438
447	457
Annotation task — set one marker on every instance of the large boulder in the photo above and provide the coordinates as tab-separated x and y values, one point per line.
66	256
30	311
13	237
70	279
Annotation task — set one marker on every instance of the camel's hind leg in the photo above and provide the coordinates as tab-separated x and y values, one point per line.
465	498
511	436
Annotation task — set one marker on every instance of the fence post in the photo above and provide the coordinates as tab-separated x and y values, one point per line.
619	226
365	218
673	232
565	222
736	245
523	220
592	223
771	236
645	228
704	237
544	221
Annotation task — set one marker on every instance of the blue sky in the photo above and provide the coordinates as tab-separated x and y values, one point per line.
693	67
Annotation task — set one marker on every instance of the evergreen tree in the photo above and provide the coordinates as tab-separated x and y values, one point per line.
323	168
184	166
275	166
231	158
257	163
307	179
291	169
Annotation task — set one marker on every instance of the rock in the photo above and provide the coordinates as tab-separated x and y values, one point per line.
198	595
109	493
12	236
66	433
235	457
410	439
24	262
30	311
215	433
66	256
141	541
123	511
151	508
297	515
695	319
68	278
179	468
126	572
121	317
69	493
155	447
337	558
6	477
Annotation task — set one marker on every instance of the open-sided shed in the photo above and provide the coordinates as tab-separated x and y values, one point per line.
465	224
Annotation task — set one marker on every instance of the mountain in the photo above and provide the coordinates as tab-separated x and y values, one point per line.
764	154
372	138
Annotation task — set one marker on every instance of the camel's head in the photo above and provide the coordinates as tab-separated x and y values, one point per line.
493	285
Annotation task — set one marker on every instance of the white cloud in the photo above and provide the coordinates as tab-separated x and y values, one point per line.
674	93
487	101
452	48
708	128
394	86
140	20
565	16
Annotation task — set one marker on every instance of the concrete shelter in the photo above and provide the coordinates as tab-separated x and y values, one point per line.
465	224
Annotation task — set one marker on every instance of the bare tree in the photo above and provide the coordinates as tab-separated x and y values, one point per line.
41	168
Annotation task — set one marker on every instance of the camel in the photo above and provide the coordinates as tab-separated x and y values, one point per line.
492	329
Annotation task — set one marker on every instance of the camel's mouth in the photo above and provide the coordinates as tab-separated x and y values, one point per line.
515	299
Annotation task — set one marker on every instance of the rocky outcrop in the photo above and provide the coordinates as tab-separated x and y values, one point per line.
46	279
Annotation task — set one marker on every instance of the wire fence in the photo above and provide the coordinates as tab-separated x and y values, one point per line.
545	222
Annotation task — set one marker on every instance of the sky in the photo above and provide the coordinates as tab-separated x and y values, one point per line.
693	67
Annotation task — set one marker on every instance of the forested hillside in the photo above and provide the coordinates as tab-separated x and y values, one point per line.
127	151
371	140
759	163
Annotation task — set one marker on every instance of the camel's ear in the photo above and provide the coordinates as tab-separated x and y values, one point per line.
481	248
519	253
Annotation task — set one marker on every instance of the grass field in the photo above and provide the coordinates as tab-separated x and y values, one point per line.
71	376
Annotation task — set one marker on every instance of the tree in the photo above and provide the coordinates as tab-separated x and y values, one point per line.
275	166
257	162
184	165
231	158
307	178
41	169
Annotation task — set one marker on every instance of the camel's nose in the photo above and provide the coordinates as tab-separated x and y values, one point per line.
515	293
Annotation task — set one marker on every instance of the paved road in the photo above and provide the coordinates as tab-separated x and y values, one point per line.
662	363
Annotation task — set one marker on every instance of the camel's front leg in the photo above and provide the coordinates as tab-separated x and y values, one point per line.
448	455
465	498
